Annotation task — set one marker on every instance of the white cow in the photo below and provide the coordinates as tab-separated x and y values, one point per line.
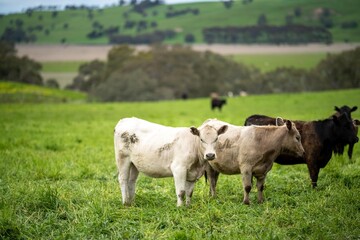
160	151
251	151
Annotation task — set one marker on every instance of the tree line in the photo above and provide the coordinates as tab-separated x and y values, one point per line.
170	72
289	34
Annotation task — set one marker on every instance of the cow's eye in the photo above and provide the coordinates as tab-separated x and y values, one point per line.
215	140
202	140
298	139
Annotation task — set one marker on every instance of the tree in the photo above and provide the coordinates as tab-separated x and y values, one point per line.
262	20
189	38
90	75
13	68
339	71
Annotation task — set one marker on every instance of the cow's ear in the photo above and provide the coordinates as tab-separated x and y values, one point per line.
337	109
353	109
279	121
223	129
195	131
288	124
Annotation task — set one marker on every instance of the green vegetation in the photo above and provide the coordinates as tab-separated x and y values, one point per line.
166	72
61	66
27	93
58	177
269	62
73	26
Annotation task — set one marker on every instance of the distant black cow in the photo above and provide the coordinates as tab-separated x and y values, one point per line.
217	103
339	149
318	138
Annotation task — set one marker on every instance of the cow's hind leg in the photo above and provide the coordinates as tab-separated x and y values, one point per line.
134	173
260	180
123	165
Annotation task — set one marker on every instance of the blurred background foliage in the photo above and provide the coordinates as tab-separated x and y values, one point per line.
173	72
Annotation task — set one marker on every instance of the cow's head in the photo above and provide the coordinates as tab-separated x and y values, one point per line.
208	137
345	109
292	142
345	130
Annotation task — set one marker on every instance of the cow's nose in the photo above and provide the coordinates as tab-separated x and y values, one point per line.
210	156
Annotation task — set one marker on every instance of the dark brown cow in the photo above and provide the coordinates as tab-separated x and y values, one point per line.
217	103
319	139
339	149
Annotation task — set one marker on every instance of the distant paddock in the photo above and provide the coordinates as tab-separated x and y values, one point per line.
46	53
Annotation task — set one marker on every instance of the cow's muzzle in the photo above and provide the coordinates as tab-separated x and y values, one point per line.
210	156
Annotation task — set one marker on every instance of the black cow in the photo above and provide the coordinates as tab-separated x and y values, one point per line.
318	138
339	149
217	103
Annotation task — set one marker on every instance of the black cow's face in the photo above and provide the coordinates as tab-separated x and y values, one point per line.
345	109
345	129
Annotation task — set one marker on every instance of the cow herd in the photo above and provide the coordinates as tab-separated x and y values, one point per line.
187	153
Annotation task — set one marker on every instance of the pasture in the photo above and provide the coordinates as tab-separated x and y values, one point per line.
58	177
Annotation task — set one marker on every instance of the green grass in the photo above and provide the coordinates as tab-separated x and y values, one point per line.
211	14
58	177
61	66
24	93
269	62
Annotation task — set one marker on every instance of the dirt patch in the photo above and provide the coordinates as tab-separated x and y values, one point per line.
45	53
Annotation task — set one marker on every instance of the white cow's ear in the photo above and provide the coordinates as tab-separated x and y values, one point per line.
195	131
279	121
223	129
288	124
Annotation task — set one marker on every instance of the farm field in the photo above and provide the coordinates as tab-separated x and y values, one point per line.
269	62
58	176
74	26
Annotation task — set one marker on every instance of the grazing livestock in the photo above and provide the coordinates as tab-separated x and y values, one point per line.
160	151
339	149
217	103
251	151
319	139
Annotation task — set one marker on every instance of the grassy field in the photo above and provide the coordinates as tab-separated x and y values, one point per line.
74	25
24	93
58	177
61	66
269	62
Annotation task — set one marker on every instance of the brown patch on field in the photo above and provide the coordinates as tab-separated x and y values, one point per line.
46	53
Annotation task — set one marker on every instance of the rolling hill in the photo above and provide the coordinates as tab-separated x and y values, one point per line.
181	22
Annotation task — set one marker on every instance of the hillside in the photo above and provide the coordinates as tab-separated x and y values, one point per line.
181	22
12	92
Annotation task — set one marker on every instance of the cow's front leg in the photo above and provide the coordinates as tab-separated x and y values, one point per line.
179	174
213	176
314	173
260	180
247	182
189	191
